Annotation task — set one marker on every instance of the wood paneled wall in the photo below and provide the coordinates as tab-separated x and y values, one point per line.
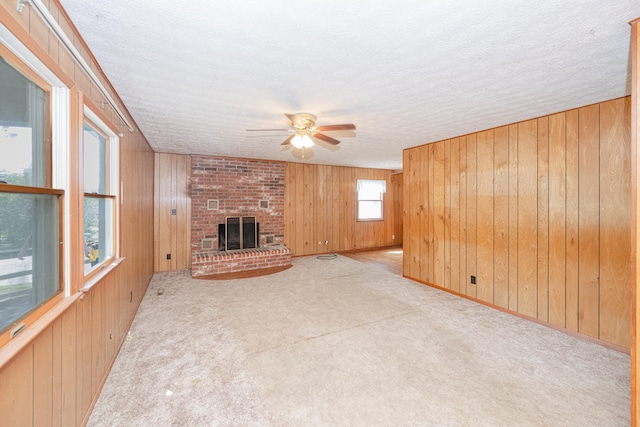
172	193
537	211
50	374
321	205
635	215
395	197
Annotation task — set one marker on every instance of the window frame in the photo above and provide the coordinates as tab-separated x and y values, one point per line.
358	200
91	115
10	50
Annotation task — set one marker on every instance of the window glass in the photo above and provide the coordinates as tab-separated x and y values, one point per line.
98	231
22	129
95	161
99	202
370	198
29	253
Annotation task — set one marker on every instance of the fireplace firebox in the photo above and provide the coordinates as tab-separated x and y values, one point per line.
238	232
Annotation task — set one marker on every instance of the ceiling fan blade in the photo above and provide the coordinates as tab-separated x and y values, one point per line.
267	130
288	140
348	126
290	117
326	138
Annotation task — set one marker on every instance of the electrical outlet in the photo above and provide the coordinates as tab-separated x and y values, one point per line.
393	237
326	242
473	280
168	256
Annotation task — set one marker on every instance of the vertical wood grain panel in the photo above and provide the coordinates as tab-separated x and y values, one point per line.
57	360
455	214
589	238
407	200
158	244
398	206
513	217
615	220
527	218
329	208
414	230
86	361
438	213
182	205
572	253
472	213
171	205
447	214
335	209
288	203
501	217
97	338
43	378
635	217
309	198
299	209
16	390
343	202
110	319
557	218
423	212
485	170
320	206
431	214
464	277
69	346
163	211
351	206
543	219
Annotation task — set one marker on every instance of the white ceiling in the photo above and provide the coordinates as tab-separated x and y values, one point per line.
196	74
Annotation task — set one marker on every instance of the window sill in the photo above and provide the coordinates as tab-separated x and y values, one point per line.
104	271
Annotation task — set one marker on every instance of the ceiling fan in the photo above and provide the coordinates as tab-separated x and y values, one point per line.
303	127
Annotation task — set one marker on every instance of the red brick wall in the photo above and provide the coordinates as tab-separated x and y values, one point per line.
239	185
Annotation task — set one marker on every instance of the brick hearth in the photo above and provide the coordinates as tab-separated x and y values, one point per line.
222	262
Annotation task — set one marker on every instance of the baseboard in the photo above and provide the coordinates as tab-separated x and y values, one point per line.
603	343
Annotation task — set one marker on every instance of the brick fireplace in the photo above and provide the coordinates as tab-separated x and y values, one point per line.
227	187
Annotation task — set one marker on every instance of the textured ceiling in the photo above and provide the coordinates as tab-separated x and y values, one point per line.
195	74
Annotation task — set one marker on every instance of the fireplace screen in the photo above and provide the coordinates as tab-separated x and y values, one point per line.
239	232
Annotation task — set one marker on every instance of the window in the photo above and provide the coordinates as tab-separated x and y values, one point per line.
370	193
30	210
99	147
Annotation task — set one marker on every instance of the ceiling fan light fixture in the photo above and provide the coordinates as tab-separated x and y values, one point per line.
301	141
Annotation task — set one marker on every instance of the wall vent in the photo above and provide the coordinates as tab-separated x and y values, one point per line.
212	205
207	244
264	204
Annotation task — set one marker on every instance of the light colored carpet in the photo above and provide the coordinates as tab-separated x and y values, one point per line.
342	343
